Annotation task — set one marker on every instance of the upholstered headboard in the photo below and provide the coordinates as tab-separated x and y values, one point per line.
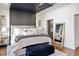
22	30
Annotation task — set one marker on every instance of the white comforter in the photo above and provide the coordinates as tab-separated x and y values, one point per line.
30	41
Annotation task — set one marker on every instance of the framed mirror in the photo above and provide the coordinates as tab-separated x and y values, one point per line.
59	34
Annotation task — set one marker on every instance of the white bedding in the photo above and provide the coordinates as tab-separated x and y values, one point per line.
30	41
19	31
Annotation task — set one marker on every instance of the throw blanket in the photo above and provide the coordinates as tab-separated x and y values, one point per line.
43	49
28	36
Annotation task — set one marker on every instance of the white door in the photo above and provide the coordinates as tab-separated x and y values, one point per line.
76	20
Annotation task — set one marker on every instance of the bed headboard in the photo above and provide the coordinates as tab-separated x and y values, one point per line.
20	31
17	30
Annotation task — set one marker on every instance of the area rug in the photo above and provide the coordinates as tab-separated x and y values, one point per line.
59	53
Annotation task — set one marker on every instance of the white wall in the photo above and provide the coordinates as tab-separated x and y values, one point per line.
65	15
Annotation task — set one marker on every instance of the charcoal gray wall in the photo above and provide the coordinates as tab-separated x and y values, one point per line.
20	17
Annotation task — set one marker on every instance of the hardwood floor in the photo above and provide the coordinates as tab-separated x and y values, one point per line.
70	52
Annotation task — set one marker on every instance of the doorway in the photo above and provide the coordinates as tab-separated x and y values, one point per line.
50	28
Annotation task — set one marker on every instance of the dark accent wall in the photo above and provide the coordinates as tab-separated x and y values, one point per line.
21	17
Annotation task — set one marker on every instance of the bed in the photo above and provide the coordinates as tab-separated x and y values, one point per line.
33	45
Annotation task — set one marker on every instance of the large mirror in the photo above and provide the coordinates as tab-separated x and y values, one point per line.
4	31
59	34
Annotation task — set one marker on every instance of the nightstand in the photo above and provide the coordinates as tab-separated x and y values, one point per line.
3	50
3	45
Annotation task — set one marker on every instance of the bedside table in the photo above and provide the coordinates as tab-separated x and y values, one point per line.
3	50
3	45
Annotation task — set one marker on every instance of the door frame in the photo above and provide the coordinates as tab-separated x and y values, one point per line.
48	25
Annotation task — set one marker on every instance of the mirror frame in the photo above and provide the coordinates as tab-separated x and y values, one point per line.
63	35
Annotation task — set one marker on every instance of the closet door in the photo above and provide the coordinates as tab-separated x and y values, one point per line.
76	21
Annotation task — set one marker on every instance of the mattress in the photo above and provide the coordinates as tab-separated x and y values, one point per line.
33	45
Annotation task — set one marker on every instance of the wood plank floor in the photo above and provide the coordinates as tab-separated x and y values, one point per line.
70	52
